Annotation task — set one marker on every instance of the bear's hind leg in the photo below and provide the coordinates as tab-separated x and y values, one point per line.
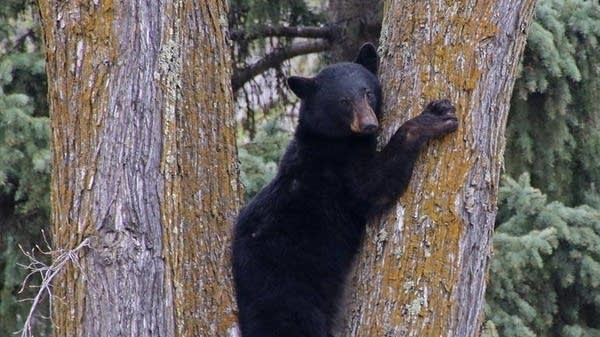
292	317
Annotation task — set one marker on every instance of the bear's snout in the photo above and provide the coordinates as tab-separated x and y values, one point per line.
364	120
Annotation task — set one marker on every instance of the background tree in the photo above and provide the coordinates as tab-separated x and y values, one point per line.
546	272
144	175
268	34
24	158
554	117
357	22
260	155
423	270
562	43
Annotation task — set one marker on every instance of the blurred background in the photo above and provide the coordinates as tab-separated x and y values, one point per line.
545	274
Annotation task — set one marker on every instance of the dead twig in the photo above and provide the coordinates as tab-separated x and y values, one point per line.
47	273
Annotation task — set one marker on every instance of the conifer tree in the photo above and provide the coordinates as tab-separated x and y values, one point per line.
554	118
24	156
545	275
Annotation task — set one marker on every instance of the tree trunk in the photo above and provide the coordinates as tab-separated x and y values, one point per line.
422	271
144	166
359	22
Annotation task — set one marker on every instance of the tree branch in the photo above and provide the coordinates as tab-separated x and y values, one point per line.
60	257
322	32
275	58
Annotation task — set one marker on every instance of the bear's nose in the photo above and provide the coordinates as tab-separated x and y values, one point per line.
364	120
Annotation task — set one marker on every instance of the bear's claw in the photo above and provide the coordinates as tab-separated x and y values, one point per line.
440	107
437	119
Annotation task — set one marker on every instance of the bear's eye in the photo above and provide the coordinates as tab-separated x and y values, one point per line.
344	102
370	95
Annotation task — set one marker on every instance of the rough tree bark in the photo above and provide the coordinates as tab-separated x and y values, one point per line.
423	269
143	166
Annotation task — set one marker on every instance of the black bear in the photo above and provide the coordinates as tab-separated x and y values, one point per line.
295	242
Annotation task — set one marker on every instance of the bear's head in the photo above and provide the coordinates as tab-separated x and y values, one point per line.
344	99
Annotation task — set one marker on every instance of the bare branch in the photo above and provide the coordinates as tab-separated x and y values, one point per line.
329	32
275	58
47	273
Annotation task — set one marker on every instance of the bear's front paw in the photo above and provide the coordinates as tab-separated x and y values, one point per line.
438	118
440	107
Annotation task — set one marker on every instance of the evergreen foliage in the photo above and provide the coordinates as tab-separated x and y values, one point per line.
24	123
24	156
260	155
545	274
250	14
24	146
554	121
11	9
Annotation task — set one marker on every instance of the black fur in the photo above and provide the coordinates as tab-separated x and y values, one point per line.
295	242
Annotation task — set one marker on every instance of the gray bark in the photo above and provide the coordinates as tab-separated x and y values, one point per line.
143	167
423	269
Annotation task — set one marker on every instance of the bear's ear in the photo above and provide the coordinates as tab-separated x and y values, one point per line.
367	57
302	86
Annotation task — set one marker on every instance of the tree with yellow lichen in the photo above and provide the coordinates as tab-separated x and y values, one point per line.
144	177
423	268
144	183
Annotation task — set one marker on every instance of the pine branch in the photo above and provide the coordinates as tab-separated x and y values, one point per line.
7	46
329	32
275	58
